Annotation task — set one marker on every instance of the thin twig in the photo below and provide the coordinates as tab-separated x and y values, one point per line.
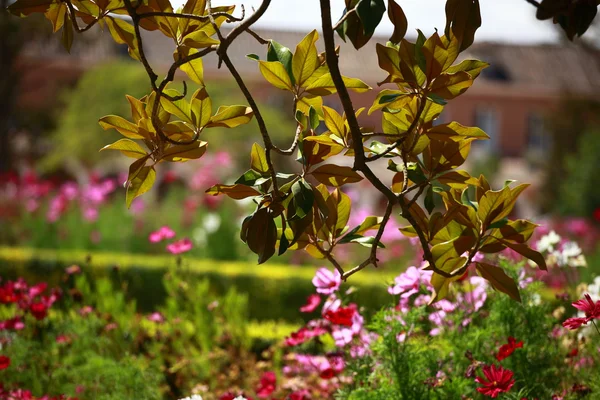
533	2
344	17
387	151
201	18
329	257
294	144
256	36
373	255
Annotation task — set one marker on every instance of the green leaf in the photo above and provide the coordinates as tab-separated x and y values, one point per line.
252	56
252	178
429	203
463	18
499	280
180	108
305	60
472	67
194	68
367	241
499	224
201	107
370	13
302	200
455	132
278	52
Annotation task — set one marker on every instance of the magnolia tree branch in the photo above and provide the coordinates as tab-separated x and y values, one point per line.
533	2
222	53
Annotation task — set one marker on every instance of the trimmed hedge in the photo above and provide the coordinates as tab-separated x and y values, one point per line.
275	291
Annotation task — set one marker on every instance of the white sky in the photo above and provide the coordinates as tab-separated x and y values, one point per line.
503	20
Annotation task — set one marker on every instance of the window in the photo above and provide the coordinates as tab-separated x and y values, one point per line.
488	120
539	140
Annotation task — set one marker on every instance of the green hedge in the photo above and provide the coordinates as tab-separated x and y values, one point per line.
275	291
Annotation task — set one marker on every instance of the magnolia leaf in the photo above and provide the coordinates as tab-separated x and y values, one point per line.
458	179
56	14
302	200
201	107
449	86
499	280
22	8
140	183
463	18
128	147
370	13
280	53
180	108
339	205
185	152
527	252
231	116
324	85
455	132
124	127
472	67
252	178
369	223
137	108
335	175
236	191
260	234
334	122
194	68
178	130
199	39
123	33
398	18
275	73
258	159
305	60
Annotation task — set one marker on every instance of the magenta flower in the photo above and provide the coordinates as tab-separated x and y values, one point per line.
589	307
163	233
180	246
156	317
326	281
312	303
409	282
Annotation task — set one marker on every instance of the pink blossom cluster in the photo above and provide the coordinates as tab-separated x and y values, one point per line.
28	299
176	247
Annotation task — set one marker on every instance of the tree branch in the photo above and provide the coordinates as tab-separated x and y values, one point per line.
533	2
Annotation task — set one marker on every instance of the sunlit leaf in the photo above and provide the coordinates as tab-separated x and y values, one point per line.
275	73
140	183
236	191
128	147
305	60
335	175
182	153
258	159
231	116
123	126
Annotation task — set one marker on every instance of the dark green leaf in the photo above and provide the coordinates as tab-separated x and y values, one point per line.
370	13
278	52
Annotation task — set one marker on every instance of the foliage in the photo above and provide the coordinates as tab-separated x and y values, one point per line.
579	193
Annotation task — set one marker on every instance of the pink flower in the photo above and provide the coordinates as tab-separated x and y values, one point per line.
156	317
163	233
497	380
312	303
326	281
589	307
85	310
409	282
39	310
303	335
73	270
180	246
13	323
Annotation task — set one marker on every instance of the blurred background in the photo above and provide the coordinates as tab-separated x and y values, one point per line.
537	101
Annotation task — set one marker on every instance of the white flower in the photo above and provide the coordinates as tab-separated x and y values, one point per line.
211	223
240	398
571	249
193	397
547	242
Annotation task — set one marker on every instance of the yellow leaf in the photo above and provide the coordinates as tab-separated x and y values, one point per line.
435	56
319	148
334	122
123	33
199	40
231	116
472	67
201	107
339	205
315	102
324	85
305	60
335	175
455	132
398	182
128	147
389	61
123	126
56	15
448	86
258	159
275	73
392	99
194	68
237	191
140	183
183	153
178	130
137	108
180	108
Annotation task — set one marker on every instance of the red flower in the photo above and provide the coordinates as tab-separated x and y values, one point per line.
589	307
499	380
4	362
312	303
39	310
507	349
267	385
341	316
597	214
302	335
299	395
